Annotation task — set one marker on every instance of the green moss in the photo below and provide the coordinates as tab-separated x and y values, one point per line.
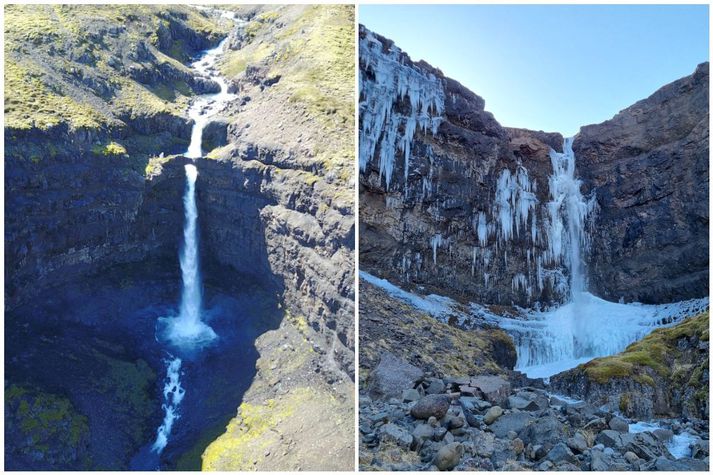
112	149
47	421
656	352
624	402
51	50
131	384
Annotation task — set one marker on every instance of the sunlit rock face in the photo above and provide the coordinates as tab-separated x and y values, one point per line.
456	203
649	167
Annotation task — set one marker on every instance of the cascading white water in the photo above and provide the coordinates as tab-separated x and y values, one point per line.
208	105
567	211
188	330
173	395
586	326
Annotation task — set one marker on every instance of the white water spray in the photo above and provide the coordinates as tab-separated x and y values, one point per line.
173	395
208	105
187	331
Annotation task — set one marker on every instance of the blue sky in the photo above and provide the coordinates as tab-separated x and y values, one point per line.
551	67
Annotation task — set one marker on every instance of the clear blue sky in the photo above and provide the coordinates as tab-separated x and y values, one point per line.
551	67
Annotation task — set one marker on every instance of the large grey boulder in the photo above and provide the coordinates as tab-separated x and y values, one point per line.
515	422
391	376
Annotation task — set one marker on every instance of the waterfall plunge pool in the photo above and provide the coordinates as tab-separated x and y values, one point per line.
94	343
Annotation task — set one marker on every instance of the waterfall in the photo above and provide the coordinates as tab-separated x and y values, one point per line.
567	212
187	330
586	326
191	296
207	105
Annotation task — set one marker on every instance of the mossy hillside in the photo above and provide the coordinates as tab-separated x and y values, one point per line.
307	58
100	67
657	352
286	400
390	325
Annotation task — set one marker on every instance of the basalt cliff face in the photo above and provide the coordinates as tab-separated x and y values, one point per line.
274	198
648	166
456	204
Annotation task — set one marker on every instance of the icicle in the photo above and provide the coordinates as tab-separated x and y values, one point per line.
381	124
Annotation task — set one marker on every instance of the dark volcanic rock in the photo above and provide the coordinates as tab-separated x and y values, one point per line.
429	211
435	405
649	169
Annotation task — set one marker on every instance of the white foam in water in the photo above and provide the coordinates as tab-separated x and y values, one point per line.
206	106
680	444
172	395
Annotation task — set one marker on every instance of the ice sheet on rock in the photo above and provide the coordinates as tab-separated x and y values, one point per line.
384	81
435	305
552	341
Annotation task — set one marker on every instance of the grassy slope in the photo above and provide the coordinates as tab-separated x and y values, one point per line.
387	324
69	63
312	54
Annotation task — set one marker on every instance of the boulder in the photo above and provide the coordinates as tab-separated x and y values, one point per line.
684	464
435	405
516	402
492	414
514	421
410	395
396	435
577	443
618	424
544	430
561	453
391	376
495	389
423	431
609	438
448	456
436	386
599	462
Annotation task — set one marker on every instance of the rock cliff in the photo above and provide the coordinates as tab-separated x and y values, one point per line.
648	166
461	206
275	198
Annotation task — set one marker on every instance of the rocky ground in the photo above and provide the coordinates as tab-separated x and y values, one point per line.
436	410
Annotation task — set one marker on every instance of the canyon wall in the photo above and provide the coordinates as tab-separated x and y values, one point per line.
455	204
648	166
